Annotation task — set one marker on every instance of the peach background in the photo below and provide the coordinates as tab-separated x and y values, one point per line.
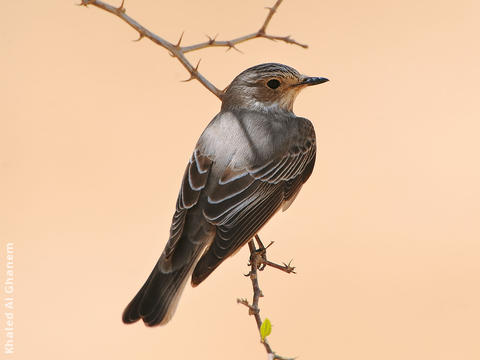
96	131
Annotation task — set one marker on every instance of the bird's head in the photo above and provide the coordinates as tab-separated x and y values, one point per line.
266	87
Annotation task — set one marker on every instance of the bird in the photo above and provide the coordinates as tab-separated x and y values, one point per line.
250	161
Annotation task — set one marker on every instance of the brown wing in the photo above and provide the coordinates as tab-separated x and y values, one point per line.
244	200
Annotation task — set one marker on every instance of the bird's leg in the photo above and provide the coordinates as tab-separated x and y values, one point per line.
261	252
262	261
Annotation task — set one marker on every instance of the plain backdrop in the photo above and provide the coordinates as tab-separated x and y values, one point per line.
96	130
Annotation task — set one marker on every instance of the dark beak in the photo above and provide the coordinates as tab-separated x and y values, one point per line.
313	81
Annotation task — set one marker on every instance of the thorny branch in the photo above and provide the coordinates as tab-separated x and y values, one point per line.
258	261
178	51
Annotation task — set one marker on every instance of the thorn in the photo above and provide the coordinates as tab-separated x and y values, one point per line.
271	243
196	67
121	9
193	73
180	40
189	79
289	268
84	3
140	36
232	46
211	40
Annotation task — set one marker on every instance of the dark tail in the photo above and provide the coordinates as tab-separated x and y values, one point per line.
157	300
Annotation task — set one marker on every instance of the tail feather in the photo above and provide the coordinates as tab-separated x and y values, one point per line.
156	301
131	313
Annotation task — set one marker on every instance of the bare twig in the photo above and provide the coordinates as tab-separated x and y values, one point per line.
256	260
261	33
144	32
179	52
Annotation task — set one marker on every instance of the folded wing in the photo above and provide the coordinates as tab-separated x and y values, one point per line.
245	199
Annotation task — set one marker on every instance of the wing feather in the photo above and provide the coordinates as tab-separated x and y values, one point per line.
194	181
244	200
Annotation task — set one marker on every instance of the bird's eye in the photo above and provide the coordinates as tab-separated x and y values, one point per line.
273	84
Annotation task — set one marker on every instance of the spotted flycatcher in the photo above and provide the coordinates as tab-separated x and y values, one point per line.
250	161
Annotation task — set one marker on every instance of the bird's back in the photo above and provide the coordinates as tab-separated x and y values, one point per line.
244	138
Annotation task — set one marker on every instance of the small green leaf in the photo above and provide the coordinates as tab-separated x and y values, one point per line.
265	328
